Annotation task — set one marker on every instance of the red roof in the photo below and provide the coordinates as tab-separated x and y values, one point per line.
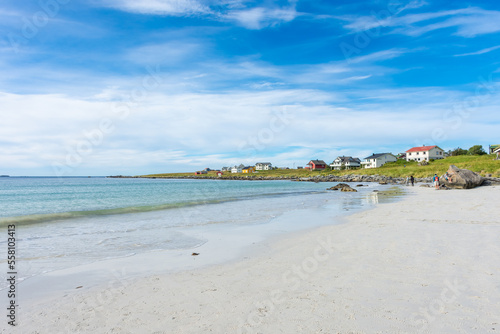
421	148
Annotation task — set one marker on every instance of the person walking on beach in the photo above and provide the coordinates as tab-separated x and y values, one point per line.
435	179
412	180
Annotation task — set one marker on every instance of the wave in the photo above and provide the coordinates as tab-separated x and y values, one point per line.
49	217
58	216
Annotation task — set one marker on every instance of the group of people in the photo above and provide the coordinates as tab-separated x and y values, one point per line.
410	179
435	180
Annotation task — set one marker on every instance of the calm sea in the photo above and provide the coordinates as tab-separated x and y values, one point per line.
67	222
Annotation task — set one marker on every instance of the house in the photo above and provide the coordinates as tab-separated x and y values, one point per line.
219	174
345	162
493	148
424	153
226	169
401	156
200	172
497	151
248	169
237	169
378	159
263	166
316	165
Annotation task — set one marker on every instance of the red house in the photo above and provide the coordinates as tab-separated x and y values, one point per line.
316	165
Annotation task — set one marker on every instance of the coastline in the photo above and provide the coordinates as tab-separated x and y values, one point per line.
381	179
423	264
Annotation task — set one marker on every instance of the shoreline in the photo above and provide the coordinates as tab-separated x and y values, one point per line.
218	243
381	179
423	264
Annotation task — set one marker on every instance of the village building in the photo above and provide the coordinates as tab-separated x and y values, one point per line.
248	169
493	148
345	163
263	166
378	159
424	153
316	165
497	151
237	169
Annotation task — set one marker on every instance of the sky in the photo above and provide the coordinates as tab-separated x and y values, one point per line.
109	87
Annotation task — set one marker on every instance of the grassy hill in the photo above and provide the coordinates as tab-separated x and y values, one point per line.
483	165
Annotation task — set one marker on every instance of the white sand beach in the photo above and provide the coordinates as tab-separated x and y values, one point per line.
427	264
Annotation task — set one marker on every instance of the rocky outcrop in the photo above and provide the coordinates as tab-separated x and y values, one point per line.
457	178
342	187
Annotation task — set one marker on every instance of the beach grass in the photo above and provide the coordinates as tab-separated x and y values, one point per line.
484	165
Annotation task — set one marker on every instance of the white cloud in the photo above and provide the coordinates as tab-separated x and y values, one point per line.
161	7
261	17
480	52
225	10
223	128
469	22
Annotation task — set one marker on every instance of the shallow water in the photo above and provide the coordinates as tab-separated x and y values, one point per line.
198	212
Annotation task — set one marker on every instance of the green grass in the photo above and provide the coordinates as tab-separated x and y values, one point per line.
484	164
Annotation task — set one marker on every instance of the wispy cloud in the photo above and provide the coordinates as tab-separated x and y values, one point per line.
480	52
236	11
468	22
261	17
161	7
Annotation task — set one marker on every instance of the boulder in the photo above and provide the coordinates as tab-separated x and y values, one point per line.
457	178
348	188
342	187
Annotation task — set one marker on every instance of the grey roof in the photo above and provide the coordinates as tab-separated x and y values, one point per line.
263	163
377	155
348	159
318	162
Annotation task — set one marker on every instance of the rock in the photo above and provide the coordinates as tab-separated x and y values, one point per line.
461	178
342	187
360	185
425	185
348	188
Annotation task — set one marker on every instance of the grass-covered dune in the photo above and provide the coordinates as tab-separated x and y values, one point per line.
484	165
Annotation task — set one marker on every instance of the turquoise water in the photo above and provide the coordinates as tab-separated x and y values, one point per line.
32	200
63	223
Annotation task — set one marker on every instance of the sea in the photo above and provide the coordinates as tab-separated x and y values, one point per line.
64	223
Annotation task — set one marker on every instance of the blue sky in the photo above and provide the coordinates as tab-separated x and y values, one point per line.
134	87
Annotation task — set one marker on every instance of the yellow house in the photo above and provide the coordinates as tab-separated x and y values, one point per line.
249	170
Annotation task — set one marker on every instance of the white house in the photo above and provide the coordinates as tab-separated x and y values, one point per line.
424	153
497	151
378	159
263	166
237	169
345	162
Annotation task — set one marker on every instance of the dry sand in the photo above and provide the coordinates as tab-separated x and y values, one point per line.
427	264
